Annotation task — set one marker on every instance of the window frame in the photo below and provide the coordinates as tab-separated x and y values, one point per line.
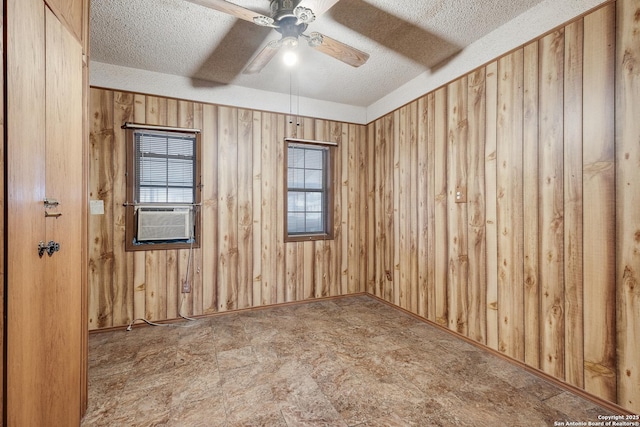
130	205
329	184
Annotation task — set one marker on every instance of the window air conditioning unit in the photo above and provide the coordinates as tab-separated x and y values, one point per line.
166	223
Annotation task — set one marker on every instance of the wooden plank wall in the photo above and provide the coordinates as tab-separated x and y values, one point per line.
540	258
243	261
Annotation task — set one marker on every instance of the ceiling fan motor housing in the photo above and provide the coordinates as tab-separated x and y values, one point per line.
290	30
282	8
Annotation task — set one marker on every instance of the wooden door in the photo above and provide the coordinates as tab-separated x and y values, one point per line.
44	153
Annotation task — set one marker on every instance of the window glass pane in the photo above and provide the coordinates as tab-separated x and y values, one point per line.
314	223
153	171
180	147
295	202
313	179
307	187
295	222
313	158
295	157
179	195
150	144
152	195
165	167
314	202
295	178
180	172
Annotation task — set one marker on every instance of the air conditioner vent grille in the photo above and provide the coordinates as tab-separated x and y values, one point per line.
164	224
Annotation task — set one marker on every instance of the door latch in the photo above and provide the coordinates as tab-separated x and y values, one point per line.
49	248
51	204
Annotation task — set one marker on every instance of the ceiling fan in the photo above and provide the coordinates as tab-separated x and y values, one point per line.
290	18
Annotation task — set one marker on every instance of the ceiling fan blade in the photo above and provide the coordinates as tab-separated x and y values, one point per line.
262	59
345	53
229	8
318	6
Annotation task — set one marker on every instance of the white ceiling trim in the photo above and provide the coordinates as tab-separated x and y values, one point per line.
148	82
531	24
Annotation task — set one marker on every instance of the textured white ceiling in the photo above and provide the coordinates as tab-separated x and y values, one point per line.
404	39
178	49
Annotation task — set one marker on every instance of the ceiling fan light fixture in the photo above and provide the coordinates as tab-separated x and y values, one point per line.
263	21
314	39
304	15
289	41
290	58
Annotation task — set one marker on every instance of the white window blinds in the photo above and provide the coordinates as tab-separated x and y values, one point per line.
165	165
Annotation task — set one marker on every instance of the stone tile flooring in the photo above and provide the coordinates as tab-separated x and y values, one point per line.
352	361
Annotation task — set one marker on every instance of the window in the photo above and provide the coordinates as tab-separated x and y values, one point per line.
309	201
163	189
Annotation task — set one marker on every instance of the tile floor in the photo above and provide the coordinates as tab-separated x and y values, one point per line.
346	362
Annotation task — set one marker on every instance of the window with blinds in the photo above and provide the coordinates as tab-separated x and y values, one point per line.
163	188
308	202
165	167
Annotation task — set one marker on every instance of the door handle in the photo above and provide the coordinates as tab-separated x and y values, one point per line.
50	248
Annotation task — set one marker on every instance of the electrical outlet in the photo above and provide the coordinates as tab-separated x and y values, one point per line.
186	287
461	194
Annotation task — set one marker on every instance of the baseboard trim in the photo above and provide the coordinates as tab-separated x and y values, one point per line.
223	313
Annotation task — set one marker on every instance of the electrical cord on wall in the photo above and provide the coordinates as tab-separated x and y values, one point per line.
186	279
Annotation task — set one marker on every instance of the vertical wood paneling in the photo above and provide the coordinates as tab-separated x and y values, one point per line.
281	133
360	220
268	208
350	208
122	264
425	210
440	214
627	202
209	213
380	234
431	206
257	209
368	139
530	185
340	229
457	210
573	243
245	208
101	226
412	122
599	256
398	194
476	247
552	204
490	174
243	261
228	208
510	205
388	200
